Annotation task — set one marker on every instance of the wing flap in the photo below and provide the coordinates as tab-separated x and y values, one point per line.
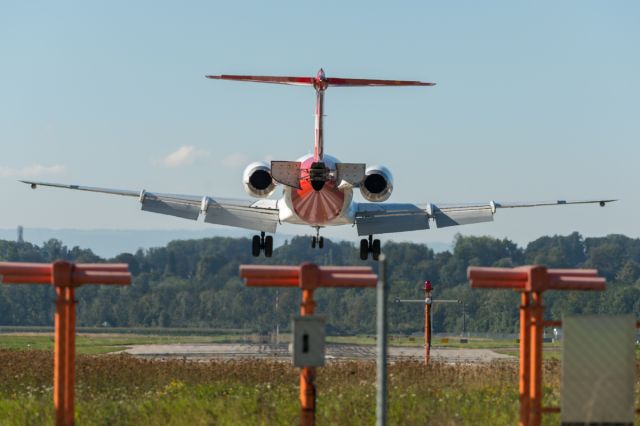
186	208
374	218
260	216
460	215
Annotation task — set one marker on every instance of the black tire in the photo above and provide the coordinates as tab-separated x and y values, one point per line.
375	249
268	246
255	246
364	249
313	242
320	242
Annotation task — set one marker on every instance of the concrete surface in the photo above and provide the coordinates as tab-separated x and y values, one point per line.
281	351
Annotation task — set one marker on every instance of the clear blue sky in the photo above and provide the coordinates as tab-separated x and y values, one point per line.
535	101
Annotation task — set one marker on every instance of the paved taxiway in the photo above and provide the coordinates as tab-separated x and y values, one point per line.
333	351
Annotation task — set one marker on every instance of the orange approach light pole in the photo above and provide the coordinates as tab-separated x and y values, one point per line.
427	320
428	302
308	277
65	277
532	281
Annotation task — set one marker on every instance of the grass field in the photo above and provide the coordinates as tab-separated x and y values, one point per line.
119	389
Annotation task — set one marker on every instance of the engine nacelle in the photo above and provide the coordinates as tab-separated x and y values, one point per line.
377	184
257	180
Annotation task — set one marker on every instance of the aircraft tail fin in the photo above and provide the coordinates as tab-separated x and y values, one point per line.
320	83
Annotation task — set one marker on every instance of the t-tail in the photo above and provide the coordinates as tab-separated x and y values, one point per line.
321	83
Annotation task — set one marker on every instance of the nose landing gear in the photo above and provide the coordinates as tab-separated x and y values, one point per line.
261	243
369	246
317	240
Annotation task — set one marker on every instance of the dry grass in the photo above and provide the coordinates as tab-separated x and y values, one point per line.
120	389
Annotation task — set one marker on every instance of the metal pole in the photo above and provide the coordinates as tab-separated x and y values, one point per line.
277	318
381	397
427	330
309	277
535	360
525	362
70	379
63	361
60	358
464	320
307	374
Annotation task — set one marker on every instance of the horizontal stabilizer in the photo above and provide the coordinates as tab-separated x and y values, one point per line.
295	81
319	81
355	82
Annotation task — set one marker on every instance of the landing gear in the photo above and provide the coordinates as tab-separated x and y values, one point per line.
261	243
369	246
317	240
256	246
268	246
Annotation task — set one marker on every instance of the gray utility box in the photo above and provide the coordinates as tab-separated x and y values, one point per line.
308	341
598	370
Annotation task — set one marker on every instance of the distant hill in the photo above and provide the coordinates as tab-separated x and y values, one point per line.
195	283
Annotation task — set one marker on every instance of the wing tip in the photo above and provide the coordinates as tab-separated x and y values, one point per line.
32	184
213	77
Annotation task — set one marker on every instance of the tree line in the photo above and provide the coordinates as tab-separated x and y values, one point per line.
195	283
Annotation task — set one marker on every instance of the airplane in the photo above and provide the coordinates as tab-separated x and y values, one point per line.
317	189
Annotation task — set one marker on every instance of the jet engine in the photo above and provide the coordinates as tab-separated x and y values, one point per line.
377	184
257	180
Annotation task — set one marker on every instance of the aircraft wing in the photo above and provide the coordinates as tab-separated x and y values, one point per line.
259	215
381	218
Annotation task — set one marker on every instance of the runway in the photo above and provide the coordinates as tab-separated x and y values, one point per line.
333	352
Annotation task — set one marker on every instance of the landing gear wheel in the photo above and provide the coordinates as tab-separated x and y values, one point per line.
364	249
320	242
255	246
268	246
369	245
260	243
314	240
375	249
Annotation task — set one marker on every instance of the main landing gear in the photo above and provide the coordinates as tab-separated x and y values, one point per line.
317	240
369	246
260	243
